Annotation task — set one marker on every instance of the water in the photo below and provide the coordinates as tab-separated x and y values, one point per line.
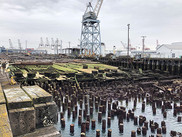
171	122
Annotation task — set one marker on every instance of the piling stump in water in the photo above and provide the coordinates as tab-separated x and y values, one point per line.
93	124
80	112
121	126
103	124
83	127
99	116
109	133
158	135
179	119
173	133
97	133
133	133
87	125
146	124
139	131
109	121
72	128
144	130
83	135
63	123
143	106
135	120
153	128
163	130
79	120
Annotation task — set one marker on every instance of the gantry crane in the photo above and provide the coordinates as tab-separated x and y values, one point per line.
10	44
41	42
90	42
19	44
58	46
47	43
52	43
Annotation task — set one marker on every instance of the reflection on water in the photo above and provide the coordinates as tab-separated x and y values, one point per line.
171	122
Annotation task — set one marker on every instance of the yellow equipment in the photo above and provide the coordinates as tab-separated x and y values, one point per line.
13	82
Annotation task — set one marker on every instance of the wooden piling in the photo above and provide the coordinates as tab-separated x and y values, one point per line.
72	128
97	133
121	127
133	133
103	125
109	133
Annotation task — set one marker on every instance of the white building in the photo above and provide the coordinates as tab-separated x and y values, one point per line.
48	49
173	50
103	49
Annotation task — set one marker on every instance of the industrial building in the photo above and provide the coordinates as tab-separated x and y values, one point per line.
71	51
173	50
48	50
2	49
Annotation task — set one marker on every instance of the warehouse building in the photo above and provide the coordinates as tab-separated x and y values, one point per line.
173	50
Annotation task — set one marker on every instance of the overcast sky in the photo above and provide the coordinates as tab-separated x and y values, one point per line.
31	19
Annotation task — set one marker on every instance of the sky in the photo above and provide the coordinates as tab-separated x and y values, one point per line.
32	19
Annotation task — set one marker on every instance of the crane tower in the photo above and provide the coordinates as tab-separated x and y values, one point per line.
19	44
90	43
41	42
10	44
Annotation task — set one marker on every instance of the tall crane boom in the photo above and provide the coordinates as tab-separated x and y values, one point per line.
52	43
92	13
124	45
19	44
47	42
41	42
98	7
10	44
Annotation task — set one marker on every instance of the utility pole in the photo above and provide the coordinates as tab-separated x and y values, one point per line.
128	39
61	47
69	47
26	46
143	41
69	44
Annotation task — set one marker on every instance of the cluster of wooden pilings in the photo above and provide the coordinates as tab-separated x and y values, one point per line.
101	98
172	66
87	103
